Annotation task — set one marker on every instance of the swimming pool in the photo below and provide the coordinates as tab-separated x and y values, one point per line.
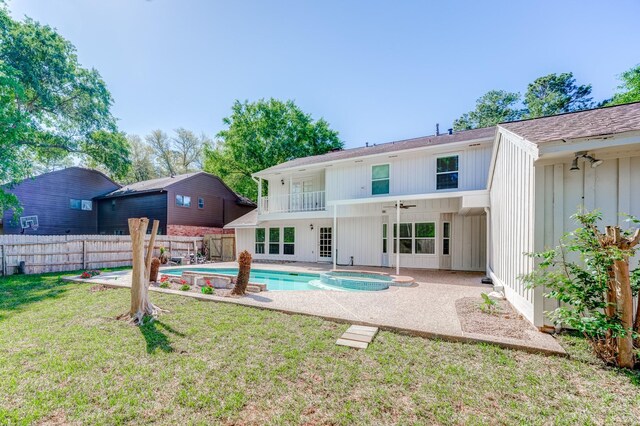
275	280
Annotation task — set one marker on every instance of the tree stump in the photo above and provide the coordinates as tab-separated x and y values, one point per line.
244	269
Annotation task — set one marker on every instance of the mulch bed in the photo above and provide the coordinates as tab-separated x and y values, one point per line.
503	322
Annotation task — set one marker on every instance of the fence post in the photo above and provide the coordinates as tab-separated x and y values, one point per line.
84	254
4	260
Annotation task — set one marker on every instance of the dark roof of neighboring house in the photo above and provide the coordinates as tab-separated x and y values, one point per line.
465	135
160	184
62	170
581	124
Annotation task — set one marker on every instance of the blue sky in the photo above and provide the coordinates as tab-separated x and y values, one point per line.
375	70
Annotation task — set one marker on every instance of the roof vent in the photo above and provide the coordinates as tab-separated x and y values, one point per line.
336	149
450	131
437	129
366	144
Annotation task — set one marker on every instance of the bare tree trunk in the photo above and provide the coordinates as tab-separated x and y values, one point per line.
141	306
624	306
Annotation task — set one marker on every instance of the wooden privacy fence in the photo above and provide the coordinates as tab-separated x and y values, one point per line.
54	253
222	247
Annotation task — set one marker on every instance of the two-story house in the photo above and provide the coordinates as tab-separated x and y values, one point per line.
477	200
344	207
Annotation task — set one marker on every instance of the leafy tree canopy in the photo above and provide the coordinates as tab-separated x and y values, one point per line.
495	106
50	106
556	94
262	134
629	89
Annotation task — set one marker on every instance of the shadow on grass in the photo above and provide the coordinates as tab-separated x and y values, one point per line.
19	291
156	338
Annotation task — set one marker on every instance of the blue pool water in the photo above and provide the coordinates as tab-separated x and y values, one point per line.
275	280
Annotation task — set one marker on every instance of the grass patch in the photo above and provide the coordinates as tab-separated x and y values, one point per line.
65	359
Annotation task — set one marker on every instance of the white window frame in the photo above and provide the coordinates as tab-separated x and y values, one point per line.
435	168
286	243
256	242
371	180
414	238
445	237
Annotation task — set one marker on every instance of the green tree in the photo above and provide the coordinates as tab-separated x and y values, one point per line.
262	134
555	94
629	89
495	106
50	106
142	161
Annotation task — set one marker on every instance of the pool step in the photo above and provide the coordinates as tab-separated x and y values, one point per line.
357	336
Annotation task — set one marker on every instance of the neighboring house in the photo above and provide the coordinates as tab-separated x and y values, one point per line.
191	204
475	200
62	201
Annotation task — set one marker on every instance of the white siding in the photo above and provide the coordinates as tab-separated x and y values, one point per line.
512	221
608	188
410	173
469	245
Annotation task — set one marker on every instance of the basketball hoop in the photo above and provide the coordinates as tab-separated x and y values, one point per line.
27	222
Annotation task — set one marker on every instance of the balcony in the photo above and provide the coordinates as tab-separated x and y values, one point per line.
301	202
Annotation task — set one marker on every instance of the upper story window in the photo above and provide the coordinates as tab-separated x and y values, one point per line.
183	201
380	179
200	203
86	205
447	172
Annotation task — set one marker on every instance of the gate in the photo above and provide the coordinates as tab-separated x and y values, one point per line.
222	247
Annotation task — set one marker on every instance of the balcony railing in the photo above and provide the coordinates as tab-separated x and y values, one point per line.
303	202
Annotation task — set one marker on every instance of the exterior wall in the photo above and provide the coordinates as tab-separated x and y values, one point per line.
195	231
469	243
48	195
306	240
410	173
609	188
113	219
512	221
359	235
216	198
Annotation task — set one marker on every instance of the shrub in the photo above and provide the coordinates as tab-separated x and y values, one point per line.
488	305
207	290
90	273
588	272
185	287
164	284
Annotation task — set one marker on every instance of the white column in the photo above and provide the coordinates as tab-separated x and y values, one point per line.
397	237
260	196
334	236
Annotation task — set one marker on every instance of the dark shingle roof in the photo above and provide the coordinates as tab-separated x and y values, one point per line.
581	124
151	185
160	184
466	135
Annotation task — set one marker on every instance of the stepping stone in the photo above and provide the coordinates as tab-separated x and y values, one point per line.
352	344
357	336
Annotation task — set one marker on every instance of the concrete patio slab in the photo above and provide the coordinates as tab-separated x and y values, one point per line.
427	309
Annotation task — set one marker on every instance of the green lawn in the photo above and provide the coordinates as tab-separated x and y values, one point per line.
64	359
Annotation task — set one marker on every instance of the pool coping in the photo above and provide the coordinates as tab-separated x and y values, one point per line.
247	302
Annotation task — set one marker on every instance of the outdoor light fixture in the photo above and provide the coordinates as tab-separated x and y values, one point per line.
282	181
311	226
574	165
583	154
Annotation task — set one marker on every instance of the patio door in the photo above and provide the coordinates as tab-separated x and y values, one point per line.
299	199
325	243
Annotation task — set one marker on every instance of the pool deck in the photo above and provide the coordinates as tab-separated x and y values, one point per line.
426	310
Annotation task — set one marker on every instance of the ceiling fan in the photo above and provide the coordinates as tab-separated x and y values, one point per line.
402	206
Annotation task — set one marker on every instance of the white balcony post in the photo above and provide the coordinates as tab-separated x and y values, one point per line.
260	207
398	237
334	237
